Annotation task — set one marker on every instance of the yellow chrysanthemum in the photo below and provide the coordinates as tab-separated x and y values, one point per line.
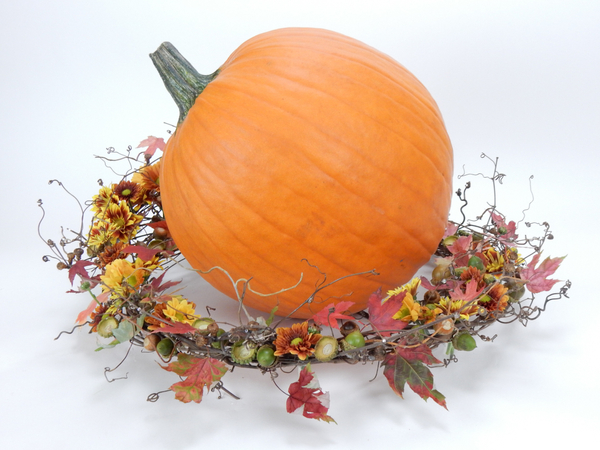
122	222
449	306
410	311
104	198
495	261
179	310
410	287
100	235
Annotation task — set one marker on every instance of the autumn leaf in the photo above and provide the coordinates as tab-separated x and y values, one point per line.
331	313
145	253
79	268
470	293
306	393
537	278
198	372
380	312
507	232
409	365
176	328
153	143
451	229
158	285
83	315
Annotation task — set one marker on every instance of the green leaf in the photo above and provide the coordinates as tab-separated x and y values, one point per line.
124	332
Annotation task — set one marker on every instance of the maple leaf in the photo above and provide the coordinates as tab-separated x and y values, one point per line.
537	278
145	253
507	231
83	315
79	268
409	365
176	328
158	285
331	313
199	373
380	312
471	292
451	229
153	143
306	393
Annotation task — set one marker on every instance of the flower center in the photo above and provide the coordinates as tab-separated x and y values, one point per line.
296	341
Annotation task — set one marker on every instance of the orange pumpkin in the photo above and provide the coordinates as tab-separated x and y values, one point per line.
307	156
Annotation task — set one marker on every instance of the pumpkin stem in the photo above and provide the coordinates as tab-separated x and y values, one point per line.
183	82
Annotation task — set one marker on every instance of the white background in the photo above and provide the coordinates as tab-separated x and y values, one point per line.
518	80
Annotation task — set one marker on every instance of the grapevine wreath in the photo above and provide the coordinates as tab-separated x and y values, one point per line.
308	178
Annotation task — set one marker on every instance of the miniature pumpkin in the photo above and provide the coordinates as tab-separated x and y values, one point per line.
307	156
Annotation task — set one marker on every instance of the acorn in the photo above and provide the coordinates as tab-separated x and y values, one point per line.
431	297
243	352
202	325
440	273
445	327
266	355
151	341
165	347
160	233
217	335
106	326
326	348
348	327
353	340
464	342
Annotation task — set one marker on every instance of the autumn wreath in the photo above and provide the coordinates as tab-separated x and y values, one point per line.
121	256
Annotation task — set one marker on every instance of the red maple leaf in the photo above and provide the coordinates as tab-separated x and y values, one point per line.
158	285
145	253
79	269
307	394
153	143
380	313
507	231
331	313
199	373
537	278
409	365
470	293
176	328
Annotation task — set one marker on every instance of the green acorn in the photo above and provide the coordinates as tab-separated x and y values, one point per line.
266	355
353	340
165	347
464	342
106	326
243	352
326	349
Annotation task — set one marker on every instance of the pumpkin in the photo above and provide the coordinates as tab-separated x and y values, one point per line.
308	157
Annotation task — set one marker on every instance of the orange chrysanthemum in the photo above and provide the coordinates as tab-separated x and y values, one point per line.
296	340
472	273
148	177
158	313
496	299
111	253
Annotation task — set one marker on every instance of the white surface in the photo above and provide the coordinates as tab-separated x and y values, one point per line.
514	79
